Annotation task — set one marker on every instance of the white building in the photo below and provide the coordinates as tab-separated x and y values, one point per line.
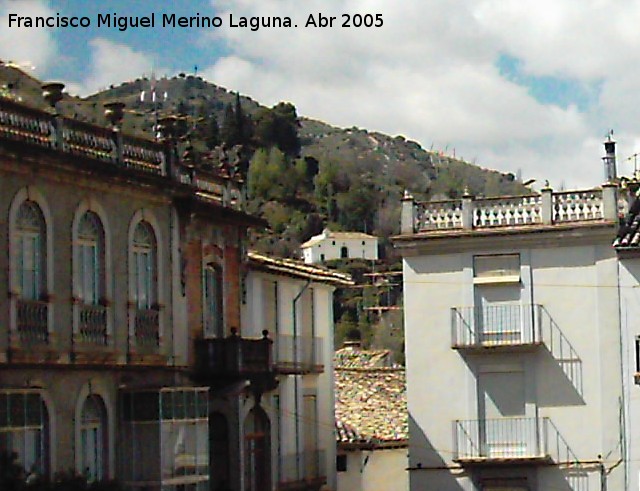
513	343
294	303
339	245
628	249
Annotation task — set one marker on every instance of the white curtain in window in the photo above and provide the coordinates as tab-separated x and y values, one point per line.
30	243
92	434
90	258
144	259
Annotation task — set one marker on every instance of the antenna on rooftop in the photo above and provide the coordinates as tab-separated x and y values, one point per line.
634	157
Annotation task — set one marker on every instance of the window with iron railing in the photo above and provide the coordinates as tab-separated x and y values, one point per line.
29	267
90	279
145	285
31	260
145	266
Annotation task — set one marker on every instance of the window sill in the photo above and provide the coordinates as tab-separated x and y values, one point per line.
497	280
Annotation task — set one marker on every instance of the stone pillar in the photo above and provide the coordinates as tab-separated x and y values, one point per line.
408	214
468	208
547	204
610	201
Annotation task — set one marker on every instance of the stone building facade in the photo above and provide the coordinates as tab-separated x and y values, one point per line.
123	349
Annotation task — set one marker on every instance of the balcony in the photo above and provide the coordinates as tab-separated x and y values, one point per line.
234	358
92	328
497	327
302	471
511	441
299	354
32	322
147	328
503	441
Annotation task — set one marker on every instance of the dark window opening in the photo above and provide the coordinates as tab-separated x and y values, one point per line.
344	252
341	463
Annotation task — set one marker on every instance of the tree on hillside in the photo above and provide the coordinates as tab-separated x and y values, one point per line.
357	207
211	135
236	127
278	127
325	186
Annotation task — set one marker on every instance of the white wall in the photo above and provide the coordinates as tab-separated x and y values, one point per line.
331	249
293	387
578	288
375	470
629	315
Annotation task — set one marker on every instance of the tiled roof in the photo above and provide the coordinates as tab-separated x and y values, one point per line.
629	232
327	235
298	269
371	401
353	357
348	434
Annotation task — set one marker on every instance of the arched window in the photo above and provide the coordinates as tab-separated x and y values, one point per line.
145	274
24	429
93	435
31	255
213	319
91	268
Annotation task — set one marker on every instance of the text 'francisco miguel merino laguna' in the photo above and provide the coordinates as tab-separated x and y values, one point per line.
124	22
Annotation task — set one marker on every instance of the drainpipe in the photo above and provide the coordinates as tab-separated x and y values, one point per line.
295	377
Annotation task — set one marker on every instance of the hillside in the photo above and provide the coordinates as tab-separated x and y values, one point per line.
303	174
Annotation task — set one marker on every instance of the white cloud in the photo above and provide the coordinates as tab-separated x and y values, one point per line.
112	63
26	46
428	73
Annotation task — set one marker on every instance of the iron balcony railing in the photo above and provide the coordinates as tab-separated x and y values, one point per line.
93	324
496	325
33	321
299	354
147	327
233	357
502	439
308	465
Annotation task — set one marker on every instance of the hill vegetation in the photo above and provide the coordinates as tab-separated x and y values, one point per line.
302	174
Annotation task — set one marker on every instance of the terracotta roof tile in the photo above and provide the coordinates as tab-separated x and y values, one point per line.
629	231
371	400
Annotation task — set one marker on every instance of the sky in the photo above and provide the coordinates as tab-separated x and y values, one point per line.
522	86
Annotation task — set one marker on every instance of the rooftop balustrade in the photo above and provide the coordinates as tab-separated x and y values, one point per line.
546	208
111	147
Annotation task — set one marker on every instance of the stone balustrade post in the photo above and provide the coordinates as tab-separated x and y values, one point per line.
610	201
117	138
408	214
468	208
547	204
58	132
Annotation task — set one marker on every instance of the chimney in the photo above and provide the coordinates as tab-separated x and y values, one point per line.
609	160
